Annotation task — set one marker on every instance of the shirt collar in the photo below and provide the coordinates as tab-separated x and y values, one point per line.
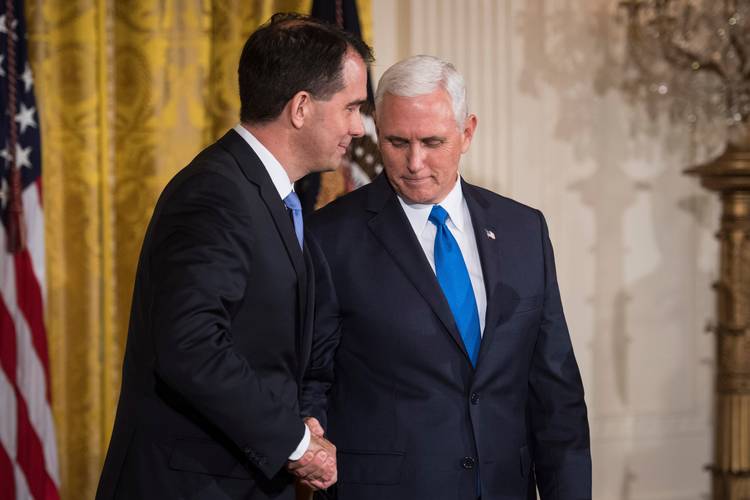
279	177
418	214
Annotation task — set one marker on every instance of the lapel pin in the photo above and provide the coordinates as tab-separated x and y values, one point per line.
490	234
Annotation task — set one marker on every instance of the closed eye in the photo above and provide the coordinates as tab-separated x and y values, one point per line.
433	142
397	142
355	105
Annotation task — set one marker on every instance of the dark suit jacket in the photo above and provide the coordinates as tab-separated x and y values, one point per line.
218	342
409	415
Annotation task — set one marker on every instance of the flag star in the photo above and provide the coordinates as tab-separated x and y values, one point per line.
4	26
5	155
2	59
22	157
28	79
25	117
3	194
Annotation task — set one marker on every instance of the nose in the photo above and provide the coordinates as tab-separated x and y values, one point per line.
414	158
356	128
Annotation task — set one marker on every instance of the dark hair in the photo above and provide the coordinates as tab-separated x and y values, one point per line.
288	54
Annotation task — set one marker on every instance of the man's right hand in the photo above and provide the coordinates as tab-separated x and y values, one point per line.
317	467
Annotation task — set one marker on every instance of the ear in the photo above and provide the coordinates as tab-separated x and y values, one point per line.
300	107
470	126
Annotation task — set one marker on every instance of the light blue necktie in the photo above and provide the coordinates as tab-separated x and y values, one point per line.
453	277
295	208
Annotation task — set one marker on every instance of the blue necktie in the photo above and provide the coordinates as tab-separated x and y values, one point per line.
295	208
453	277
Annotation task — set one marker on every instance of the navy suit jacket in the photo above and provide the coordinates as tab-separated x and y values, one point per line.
219	340
391	379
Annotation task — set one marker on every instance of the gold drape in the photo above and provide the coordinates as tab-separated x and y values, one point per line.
128	92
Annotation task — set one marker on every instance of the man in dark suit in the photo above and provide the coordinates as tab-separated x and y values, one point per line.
442	361
220	330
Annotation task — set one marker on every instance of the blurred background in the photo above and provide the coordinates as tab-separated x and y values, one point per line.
128	91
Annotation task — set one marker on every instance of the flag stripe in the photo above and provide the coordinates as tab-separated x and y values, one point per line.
51	488
22	488
34	217
6	474
7	341
28	297
7	391
29	453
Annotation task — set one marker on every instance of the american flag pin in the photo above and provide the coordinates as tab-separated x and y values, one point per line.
490	234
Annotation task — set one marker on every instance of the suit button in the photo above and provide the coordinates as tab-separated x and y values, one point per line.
474	398
467	463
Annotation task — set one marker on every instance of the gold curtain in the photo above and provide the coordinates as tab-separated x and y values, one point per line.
128	92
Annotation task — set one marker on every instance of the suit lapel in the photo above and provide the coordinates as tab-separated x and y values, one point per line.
392	228
256	173
489	244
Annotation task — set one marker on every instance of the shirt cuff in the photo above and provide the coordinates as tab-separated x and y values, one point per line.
302	446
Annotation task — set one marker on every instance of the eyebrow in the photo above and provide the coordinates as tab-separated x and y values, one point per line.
394	138
358	102
421	139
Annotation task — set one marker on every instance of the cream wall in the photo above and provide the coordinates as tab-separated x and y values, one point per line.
633	236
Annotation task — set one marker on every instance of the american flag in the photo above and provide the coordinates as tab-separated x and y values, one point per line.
28	453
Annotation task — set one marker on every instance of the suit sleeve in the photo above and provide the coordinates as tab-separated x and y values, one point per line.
556	409
201	264
326	337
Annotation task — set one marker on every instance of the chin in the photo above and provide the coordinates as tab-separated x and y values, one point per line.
421	199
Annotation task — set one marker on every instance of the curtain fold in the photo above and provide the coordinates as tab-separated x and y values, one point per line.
128	92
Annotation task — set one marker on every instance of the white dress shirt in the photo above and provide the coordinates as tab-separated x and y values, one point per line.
279	177
284	186
460	225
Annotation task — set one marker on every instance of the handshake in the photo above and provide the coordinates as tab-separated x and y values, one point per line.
316	469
